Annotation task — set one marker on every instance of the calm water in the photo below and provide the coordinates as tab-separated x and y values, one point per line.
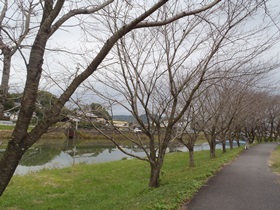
49	156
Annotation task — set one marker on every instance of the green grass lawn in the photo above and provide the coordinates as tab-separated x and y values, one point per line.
7	127
115	185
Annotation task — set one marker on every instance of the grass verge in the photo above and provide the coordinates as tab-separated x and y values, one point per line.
274	160
115	185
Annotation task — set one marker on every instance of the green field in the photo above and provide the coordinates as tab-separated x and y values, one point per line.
115	185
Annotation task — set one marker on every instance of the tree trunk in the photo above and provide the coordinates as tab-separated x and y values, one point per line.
155	175
191	155
1	105
9	163
212	153
238	143
211	141
224	147
212	149
5	78
231	144
275	136
212	145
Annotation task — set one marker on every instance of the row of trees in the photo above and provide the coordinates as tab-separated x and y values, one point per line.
229	110
188	77
157	58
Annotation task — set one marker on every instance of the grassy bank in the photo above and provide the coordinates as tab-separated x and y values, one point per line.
114	185
275	160
6	133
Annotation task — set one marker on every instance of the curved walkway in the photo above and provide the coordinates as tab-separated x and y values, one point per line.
246	184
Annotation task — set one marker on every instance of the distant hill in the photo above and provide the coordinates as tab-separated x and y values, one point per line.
129	118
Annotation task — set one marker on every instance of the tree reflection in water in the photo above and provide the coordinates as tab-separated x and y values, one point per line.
39	155
59	155
49	156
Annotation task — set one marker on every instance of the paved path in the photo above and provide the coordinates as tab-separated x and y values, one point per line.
246	184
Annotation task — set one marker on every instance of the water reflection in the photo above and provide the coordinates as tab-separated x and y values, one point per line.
50	156
39	155
53	156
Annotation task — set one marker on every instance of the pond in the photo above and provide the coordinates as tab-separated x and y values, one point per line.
51	156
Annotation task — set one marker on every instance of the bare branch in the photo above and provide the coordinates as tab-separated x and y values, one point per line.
79	11
177	17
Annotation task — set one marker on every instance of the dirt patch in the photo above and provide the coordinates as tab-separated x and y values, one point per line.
5	134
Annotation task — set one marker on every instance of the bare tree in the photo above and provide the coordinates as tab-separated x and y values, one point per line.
15	27
234	97
154	80
273	117
229	110
262	120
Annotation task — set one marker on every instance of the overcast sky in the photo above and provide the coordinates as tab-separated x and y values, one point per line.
65	69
